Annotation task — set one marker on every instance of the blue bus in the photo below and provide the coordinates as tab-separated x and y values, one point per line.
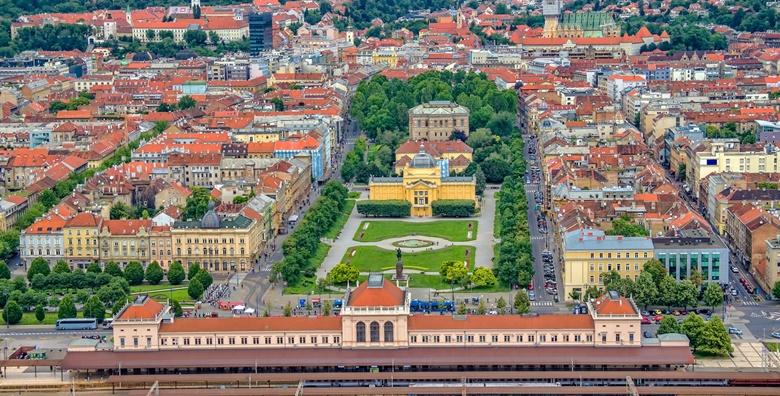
77	324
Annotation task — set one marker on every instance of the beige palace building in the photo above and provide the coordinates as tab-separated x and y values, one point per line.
436	120
588	255
376	314
422	184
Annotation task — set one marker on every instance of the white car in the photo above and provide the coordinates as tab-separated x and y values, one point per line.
734	292
734	269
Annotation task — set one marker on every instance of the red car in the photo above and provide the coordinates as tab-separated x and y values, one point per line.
646	320
531	286
658	318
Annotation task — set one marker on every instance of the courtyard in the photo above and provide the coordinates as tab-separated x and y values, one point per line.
370	245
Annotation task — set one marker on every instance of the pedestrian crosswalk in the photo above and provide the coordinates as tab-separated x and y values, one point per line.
541	303
750	302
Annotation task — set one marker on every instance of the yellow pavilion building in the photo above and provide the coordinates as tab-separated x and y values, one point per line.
422	183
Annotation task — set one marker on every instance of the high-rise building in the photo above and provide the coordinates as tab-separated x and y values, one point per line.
260	32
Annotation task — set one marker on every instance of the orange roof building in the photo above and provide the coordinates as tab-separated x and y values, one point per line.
379	314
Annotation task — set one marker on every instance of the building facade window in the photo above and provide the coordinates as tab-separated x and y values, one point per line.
374	327
388	331
360	332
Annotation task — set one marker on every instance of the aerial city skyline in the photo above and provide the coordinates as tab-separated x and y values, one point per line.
401	197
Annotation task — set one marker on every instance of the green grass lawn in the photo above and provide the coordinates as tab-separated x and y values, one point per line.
309	284
163	285
773	346
163	292
343	217
374	259
353	195
28	318
455	231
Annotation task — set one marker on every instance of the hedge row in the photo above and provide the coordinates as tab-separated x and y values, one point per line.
453	207
388	208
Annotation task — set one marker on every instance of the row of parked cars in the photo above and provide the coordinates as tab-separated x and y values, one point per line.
655	316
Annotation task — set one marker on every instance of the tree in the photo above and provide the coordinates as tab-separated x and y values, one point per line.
696	277
668	291
177	310
94	268
522	303
113	269
610	278
154	273
645	291
692	326
501	305
176	273
195	289
288	309
5	272
626	227
193	270
496	169
713	295
656	268
480	179
120	211
481	309
776	290
714	339
687	294
483	277
12	314
668	325
67	308
94	308
461	309
186	102
40	314
454	272
343	273
197	204
150	34
134	273
205	278
195	38
326	308
61	267
38	266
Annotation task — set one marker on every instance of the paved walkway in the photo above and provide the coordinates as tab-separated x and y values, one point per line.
483	243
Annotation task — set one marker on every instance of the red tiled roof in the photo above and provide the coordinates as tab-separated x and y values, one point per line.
550	321
389	295
84	220
273	323
148	310
619	306
126	227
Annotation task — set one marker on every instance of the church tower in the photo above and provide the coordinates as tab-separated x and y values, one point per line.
551	9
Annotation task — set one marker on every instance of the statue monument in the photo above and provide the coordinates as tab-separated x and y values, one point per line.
399	266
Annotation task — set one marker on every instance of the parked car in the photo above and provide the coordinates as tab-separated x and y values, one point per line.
648	334
734	292
775	334
735	331
734	269
658	318
646	320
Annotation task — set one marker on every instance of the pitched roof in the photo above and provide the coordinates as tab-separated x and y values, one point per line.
500	322
244	324
387	295
84	220
147	310
125	227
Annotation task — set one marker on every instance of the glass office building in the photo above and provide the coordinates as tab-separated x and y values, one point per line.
693	250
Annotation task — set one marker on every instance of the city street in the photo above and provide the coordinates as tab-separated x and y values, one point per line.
540	241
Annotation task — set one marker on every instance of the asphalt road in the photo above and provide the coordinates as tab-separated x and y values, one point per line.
539	241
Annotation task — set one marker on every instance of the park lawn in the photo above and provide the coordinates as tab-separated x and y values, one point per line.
374	259
455	230
163	295
28	318
162	286
353	195
308	285
334	230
